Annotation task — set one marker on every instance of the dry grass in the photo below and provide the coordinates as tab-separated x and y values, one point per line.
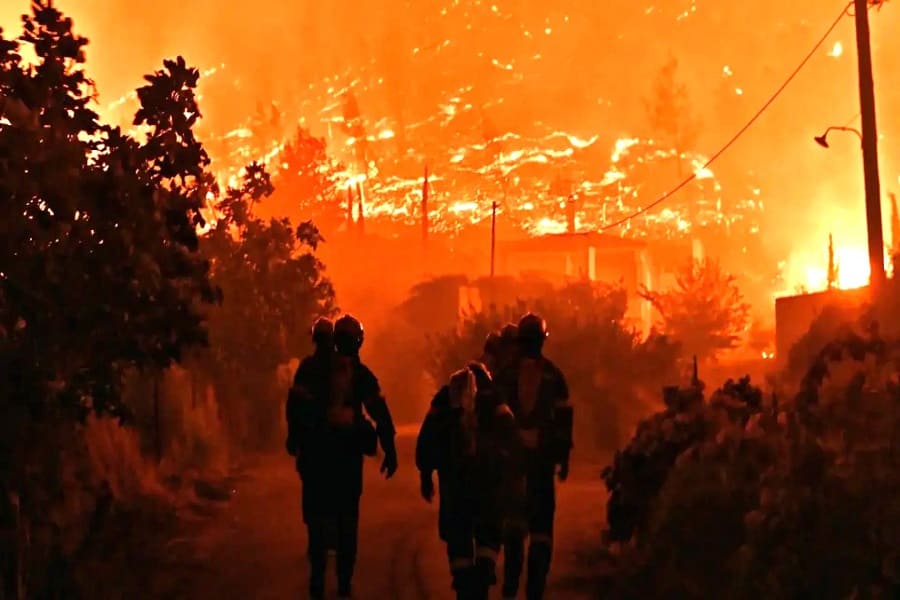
196	443
193	440
114	459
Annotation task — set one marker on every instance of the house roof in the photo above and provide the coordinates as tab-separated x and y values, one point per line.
555	242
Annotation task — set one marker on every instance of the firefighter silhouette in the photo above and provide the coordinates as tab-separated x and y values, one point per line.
508	347
491	354
469	439
536	391
330	433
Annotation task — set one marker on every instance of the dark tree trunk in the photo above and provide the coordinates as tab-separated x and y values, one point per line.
157	421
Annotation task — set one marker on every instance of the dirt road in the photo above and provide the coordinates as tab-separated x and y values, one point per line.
254	546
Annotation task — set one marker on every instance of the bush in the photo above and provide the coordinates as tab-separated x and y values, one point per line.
80	476
705	311
796	500
608	367
195	440
115	463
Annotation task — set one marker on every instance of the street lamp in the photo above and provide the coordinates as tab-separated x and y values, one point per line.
822	140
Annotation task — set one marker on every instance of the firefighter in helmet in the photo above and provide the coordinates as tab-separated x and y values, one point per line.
305	413
509	347
301	398
491	354
468	438
343	393
536	391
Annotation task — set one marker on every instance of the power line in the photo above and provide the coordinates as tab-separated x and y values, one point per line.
740	131
853	120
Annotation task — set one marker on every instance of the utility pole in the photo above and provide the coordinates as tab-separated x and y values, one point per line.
361	218
493	234
157	418
425	208
870	145
349	207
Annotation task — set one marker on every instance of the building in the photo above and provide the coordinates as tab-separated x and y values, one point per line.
565	257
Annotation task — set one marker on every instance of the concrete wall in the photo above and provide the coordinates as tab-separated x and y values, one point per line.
794	315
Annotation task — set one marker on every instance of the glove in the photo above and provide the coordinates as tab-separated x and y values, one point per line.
563	472
389	465
426	486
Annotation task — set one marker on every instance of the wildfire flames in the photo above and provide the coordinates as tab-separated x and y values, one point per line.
533	107
852	265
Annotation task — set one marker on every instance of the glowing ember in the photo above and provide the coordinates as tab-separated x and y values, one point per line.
837	50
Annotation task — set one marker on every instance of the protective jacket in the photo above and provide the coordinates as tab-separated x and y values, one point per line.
302	412
328	412
472	451
472	459
536	391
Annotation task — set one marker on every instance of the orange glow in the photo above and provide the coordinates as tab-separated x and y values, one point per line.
501	99
811	274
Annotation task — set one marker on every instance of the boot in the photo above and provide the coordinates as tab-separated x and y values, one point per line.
513	551
345	591
462	583
316	586
485	578
317	557
538	568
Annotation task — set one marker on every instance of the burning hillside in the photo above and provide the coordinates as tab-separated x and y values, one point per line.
480	121
525	104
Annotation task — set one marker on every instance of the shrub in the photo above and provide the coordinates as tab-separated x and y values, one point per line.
796	500
608	367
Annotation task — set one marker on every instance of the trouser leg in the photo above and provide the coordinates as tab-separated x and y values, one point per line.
316	554
347	538
487	549
513	558
514	531
540	548
461	553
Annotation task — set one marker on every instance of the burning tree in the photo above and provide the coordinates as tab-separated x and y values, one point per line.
705	311
669	113
306	179
833	275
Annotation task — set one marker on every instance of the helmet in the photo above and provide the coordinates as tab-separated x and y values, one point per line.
509	333
481	373
462	388
532	329
348	335
322	331
492	343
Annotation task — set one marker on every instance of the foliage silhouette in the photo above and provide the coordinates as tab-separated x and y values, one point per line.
794	498
274	286
608	367
100	271
669	112
705	312
100	276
